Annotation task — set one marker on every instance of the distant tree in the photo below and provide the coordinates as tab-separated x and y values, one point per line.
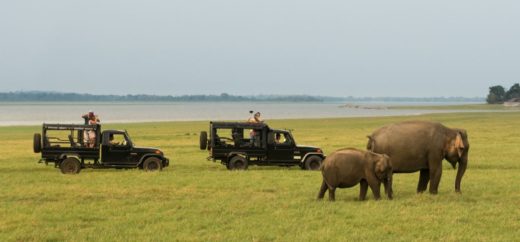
513	92
497	94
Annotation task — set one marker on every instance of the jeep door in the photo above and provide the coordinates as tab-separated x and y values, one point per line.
280	147
116	149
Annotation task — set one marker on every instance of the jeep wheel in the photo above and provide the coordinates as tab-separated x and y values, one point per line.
37	143
70	165
313	163
203	140
238	163
152	164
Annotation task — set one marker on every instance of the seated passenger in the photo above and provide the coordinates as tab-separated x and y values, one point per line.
277	139
237	138
111	140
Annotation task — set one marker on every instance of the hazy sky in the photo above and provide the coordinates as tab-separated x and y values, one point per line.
336	48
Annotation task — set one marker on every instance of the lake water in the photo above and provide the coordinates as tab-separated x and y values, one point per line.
38	113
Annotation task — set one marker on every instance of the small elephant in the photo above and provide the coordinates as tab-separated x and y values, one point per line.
347	167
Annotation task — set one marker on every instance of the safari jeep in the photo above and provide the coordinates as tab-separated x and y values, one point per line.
68	147
238	145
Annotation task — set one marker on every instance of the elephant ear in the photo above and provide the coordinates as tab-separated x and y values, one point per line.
459	144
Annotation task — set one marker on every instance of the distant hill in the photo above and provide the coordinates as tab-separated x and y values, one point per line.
36	96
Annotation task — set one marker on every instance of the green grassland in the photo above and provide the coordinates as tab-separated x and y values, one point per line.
198	200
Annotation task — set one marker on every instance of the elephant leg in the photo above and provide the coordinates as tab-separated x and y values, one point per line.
435	179
388	188
375	186
323	189
363	187
424	178
332	194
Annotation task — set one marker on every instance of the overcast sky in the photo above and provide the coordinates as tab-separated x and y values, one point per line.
335	48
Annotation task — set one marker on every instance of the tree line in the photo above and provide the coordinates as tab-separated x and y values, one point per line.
499	95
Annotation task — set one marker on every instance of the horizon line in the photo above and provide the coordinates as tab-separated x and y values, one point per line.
223	94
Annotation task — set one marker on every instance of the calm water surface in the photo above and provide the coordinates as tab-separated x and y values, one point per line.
38	113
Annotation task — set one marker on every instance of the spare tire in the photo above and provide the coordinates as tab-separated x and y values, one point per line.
203	140
37	143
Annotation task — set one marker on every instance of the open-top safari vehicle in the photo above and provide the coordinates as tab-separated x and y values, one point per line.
70	147
238	145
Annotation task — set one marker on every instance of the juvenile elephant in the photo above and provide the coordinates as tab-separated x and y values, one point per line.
348	167
421	146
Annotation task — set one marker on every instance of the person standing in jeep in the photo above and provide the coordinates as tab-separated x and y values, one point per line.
88	116
92	134
255	119
89	138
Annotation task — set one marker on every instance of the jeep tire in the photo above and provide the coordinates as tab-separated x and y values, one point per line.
152	164
312	163
70	165
238	163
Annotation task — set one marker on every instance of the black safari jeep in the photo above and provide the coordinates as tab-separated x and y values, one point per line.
69	146
238	145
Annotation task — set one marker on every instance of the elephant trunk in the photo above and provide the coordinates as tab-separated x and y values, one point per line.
388	184
463	164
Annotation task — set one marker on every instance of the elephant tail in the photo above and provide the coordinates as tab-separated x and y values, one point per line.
371	143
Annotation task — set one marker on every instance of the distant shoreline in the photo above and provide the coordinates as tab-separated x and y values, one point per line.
224	97
33	114
122	122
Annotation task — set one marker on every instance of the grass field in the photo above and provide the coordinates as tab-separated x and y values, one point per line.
198	200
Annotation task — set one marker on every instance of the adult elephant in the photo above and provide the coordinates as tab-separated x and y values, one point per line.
422	146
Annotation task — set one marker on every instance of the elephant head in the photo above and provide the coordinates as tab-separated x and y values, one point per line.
456	151
382	165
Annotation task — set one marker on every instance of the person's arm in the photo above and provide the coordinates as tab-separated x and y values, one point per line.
85	118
